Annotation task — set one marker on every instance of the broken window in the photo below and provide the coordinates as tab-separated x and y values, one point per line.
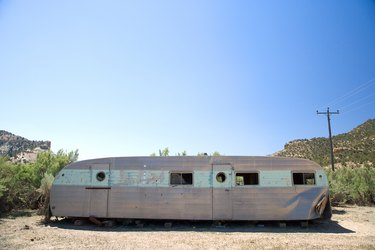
220	177
303	178
243	179
181	178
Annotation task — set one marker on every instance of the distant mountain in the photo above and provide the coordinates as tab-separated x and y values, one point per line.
353	149
20	149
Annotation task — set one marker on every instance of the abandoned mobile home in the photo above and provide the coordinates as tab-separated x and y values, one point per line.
192	188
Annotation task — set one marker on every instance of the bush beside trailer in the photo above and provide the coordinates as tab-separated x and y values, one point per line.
192	188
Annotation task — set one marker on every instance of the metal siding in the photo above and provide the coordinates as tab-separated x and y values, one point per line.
222	193
98	201
275	203
140	189
96	169
70	201
321	178
275	178
161	203
73	177
202	179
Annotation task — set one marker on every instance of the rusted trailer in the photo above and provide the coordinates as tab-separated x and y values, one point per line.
192	188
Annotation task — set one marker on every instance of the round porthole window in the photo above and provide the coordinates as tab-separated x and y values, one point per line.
220	177
100	176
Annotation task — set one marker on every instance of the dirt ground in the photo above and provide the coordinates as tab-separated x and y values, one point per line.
351	227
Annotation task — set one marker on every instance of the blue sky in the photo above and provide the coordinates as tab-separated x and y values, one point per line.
126	78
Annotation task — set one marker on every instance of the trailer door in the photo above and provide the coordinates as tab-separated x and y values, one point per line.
221	192
98	190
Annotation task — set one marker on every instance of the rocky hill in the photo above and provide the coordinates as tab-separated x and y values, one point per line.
20	149
353	149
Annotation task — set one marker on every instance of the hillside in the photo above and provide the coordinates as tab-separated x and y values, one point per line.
353	149
20	149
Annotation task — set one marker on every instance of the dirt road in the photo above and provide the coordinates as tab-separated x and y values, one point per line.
351	228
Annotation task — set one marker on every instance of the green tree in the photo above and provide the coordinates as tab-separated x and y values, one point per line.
44	191
48	162
19	183
201	154
3	181
355	186
164	152
2	188
183	153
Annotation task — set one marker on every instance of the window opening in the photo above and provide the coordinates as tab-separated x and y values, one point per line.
244	179
100	176
220	177
303	178
181	178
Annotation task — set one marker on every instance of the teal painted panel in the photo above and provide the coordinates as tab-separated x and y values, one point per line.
228	173
275	179
144	178
131	178
156	178
125	178
321	178
95	182
202	179
73	177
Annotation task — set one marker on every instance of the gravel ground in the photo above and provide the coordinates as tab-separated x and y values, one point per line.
351	227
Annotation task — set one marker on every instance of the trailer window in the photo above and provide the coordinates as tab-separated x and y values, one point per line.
303	178
244	179
181	178
220	177
100	176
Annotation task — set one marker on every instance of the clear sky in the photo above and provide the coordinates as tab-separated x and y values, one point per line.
126	78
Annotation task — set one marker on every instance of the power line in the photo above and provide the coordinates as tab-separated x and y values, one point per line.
353	92
358	107
328	113
357	101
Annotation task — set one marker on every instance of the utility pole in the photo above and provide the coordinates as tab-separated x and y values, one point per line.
329	130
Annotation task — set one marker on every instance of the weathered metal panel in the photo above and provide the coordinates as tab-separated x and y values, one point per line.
161	203
98	202
222	192
98	189
70	201
95	170
138	187
321	178
275	203
203	179
275	178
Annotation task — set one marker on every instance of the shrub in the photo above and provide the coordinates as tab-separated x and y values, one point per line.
27	185
44	191
354	186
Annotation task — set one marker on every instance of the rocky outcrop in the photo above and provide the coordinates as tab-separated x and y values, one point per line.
353	149
20	149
